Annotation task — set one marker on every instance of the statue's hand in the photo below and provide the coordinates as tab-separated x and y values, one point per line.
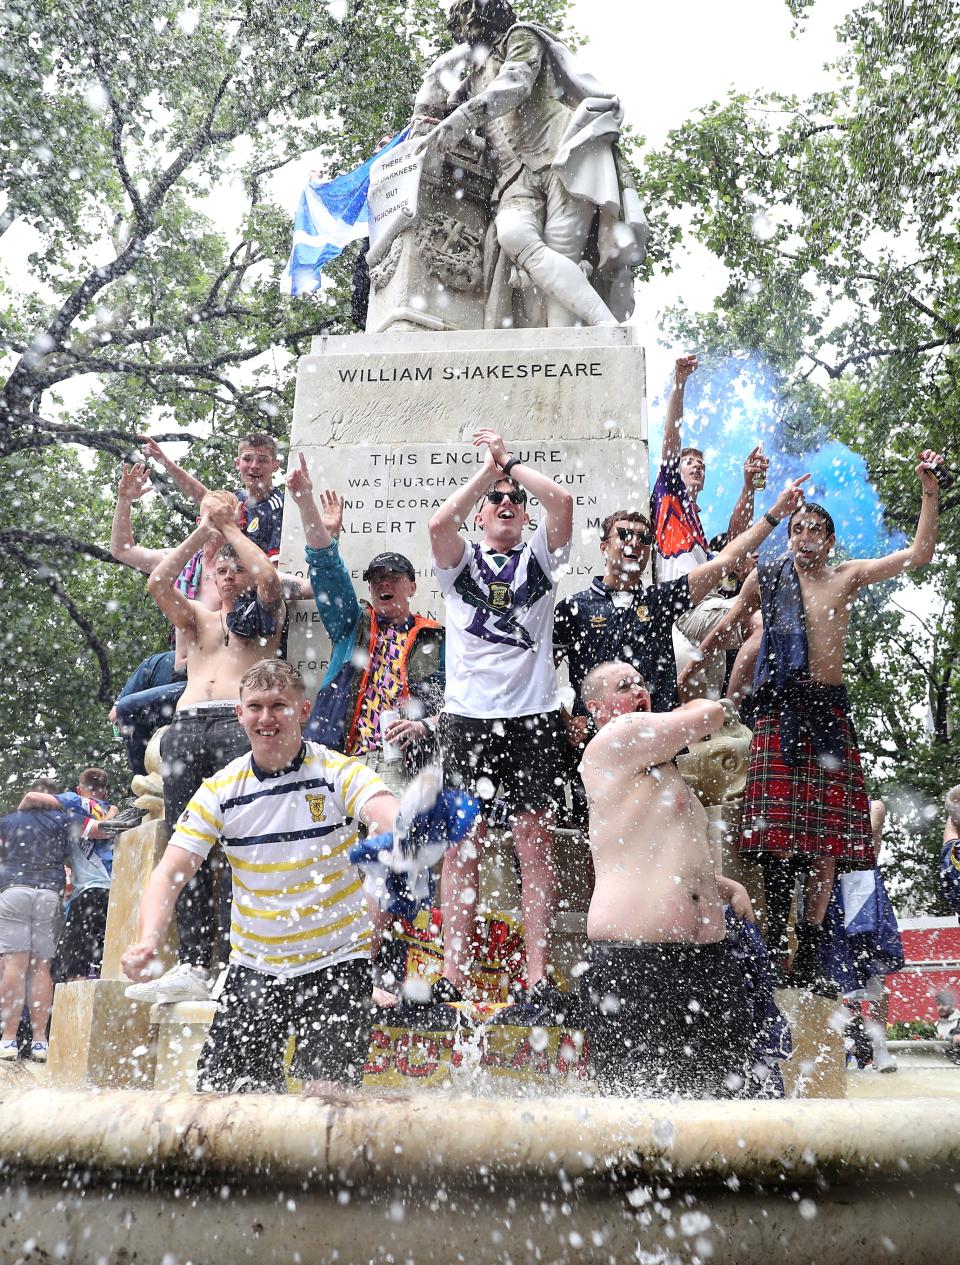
447	135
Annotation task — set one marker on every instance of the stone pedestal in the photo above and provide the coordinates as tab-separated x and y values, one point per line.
134	858
386	419
181	1029
98	1037
818	1066
427	268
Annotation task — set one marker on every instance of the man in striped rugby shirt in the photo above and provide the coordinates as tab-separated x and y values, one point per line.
301	935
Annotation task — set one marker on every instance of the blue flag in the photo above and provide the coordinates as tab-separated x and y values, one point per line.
399	879
329	217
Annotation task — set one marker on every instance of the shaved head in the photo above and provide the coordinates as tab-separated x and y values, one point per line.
605	677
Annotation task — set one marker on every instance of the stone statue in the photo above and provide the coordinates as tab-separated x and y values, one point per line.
567	217
510	205
716	768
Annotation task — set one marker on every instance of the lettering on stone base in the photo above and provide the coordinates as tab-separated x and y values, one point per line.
472	373
393	195
390	492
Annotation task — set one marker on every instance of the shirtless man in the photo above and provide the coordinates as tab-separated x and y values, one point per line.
806	809
666	1006
205	735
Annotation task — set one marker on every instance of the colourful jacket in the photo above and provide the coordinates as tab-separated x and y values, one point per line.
351	624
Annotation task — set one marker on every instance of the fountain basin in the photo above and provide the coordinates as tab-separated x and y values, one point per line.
118	1176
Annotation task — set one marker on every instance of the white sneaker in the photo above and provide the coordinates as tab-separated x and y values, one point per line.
182	982
9	1050
39	1051
883	1061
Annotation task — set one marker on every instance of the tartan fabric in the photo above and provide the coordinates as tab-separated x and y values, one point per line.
809	808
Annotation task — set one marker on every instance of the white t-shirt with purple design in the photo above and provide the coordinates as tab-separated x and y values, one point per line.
499	641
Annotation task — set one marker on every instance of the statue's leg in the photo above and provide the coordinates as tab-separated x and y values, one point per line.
566	231
522	223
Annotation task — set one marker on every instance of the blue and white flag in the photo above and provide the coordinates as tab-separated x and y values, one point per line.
330	216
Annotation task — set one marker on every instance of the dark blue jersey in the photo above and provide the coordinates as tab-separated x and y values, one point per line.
602	624
34	845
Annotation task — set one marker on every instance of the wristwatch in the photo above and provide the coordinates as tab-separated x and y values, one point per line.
508	466
774	522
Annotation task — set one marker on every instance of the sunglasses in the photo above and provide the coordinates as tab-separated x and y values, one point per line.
515	498
637	535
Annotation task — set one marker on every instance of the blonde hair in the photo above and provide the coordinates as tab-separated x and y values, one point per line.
273	674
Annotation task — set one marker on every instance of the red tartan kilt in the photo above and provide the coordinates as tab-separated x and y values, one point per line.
807	808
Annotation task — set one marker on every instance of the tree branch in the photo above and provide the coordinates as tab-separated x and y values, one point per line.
116	138
69	544
52	582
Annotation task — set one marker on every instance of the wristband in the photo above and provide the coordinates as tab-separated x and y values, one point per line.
774	522
508	466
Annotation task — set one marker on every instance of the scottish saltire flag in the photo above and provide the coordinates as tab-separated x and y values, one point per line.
859	895
396	867
330	216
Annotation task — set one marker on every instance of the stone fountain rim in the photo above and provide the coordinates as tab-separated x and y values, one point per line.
399	1138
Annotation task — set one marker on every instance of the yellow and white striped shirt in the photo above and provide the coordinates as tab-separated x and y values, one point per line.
298	903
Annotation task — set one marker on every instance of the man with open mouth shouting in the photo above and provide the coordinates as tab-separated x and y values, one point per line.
501	717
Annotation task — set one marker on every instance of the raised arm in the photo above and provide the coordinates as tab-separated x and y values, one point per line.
742	516
446	543
300	486
652	738
177	608
920	550
705	578
188	485
557	502
672	441
221	507
134	483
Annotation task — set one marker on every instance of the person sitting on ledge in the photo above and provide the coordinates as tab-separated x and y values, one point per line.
286	814
667	1009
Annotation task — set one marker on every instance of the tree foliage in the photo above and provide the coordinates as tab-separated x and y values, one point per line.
137	147
835	217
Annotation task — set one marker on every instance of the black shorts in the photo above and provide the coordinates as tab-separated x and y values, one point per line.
328	1012
81	942
667	1018
522	757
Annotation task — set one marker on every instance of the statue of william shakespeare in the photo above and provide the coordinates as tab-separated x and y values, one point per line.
568	224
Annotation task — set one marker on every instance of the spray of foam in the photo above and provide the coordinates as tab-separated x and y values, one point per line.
732	405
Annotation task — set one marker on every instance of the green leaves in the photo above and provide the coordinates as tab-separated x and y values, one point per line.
836	219
138	150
